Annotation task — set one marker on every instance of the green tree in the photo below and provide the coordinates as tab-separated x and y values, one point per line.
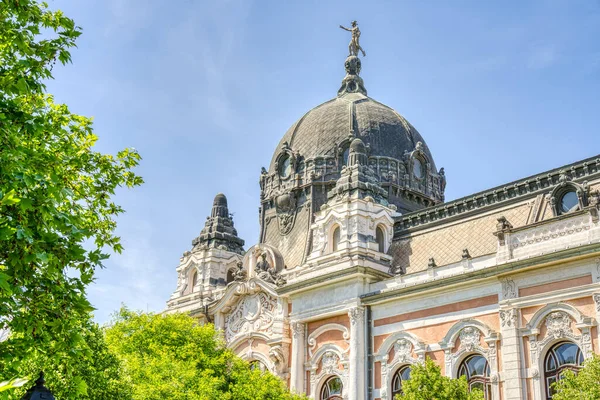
585	385
57	217
173	357
92	374
427	383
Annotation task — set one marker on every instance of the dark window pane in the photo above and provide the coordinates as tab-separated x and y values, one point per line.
477	366
567	353
405	373
550	363
569	202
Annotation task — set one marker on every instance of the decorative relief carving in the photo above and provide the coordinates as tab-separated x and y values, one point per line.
509	289
509	317
558	324
254	313
469	338
297	329
550	232
356	315
285	205
402	350
330	362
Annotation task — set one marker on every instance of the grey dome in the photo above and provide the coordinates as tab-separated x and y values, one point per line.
386	132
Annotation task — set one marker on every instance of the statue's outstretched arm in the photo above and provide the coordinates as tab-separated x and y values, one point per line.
346	29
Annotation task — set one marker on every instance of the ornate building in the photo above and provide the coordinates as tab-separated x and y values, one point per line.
363	270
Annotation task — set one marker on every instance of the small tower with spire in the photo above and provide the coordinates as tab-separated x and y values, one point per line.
211	263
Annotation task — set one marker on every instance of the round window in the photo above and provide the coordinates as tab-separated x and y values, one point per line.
285	167
569	202
418	169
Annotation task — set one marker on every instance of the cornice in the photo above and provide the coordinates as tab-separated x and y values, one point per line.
496	197
384	295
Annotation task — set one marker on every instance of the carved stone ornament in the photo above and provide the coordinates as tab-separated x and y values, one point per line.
509	317
254	313
356	315
297	329
558	324
285	205
402	350
509	289
597	301
330	362
469	338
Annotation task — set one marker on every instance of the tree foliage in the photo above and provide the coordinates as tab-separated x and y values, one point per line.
95	373
427	383
585	385
172	357
57	219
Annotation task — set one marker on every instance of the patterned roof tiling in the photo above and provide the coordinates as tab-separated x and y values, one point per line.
446	244
383	129
292	245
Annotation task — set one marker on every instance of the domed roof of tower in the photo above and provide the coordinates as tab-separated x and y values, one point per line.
352	114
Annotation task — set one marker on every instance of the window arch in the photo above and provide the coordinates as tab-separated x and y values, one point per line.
477	371
561	357
332	389
380	239
400	376
335	238
194	279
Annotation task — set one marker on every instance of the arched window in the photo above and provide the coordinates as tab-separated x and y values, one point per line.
258	365
400	376
561	357
477	371
568	202
332	389
194	280
335	239
380	239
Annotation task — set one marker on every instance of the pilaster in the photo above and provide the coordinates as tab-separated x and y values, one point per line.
511	354
356	381
298	345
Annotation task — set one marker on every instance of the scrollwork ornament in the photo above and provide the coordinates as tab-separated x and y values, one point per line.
509	317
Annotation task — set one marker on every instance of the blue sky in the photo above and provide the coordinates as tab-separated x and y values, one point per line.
205	89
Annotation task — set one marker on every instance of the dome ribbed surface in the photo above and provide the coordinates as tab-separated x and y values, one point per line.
320	129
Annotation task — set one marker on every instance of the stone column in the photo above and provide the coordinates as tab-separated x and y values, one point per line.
512	366
298	342
356	378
